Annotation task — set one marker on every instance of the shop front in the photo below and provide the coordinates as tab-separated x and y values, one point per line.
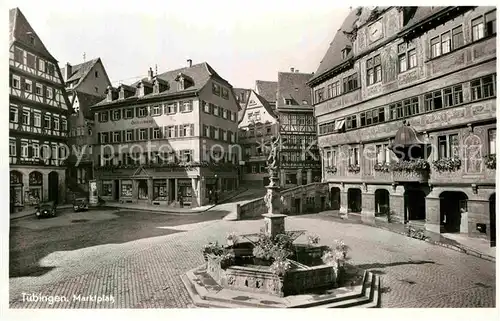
35	187
16	189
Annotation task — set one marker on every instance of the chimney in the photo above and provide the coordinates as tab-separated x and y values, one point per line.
67	72
150	74
190	63
291	69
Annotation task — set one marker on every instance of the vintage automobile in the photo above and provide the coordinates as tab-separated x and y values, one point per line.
80	204
46	209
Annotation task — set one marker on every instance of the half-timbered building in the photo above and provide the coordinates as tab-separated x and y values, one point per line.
38	118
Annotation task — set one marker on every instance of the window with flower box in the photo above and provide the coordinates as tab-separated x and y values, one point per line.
492	140
448	146
353	156
482	88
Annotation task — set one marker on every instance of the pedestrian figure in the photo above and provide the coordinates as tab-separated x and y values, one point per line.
210	196
216	197
181	200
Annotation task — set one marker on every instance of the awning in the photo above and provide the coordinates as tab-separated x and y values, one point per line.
339	124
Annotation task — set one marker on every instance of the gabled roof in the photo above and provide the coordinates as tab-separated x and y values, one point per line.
79	72
263	102
418	14
333	56
21	31
267	89
293	86
86	101
200	74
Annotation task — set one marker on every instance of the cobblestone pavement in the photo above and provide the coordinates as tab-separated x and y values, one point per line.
145	272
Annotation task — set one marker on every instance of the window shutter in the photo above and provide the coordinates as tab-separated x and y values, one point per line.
175	107
191	129
30	150
181	130
137	111
136	134
176	131
150	132
32	118
98	138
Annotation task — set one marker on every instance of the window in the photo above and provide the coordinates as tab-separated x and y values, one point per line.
30	60
46	122
350	83
453	96
435	47
448	146
116	114
351	122
445	43
128	135
103	117
24	149
224	135
143	112
231	136
457	37
186	155
96	74
16	82
403	63
491	23
215	133
224	113
39	89
319	94
381	159
28	85
206	107
233	116
206	131
410	107
374	70
64	125
478	28
492	138
170	131
117	137
129	113
142	134
12	147
37	120
216	110
26	117
50	93
104	138
56	123
156	110
172	108
41	65
13	115
433	101
396	110
156	133
187	105
353	156
482	88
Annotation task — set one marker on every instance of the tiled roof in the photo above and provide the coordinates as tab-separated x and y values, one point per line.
266	105
20	31
80	71
293	85
199	73
267	89
333	56
86	101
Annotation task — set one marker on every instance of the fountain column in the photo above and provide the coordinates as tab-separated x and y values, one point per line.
274	222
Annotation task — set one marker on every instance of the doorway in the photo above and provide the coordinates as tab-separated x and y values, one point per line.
354	200
296	206
335	198
116	194
414	202
493	227
453	212
143	189
54	187
382	202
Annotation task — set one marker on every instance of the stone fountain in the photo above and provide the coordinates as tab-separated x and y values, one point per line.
233	277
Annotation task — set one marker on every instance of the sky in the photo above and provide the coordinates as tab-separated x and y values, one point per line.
243	41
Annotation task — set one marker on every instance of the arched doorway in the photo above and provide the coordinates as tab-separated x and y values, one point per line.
36	187
354	200
16	189
493	227
453	210
414	200
53	186
381	201
335	198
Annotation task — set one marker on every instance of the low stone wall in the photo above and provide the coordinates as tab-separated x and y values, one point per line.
257	207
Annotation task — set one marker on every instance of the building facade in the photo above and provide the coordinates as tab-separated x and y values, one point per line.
86	85
405	100
300	162
38	119
255	130
168	139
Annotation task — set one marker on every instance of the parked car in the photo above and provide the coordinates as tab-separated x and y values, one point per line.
80	204
46	209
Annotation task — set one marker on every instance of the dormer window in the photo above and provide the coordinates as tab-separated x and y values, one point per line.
288	102
181	84
32	39
345	52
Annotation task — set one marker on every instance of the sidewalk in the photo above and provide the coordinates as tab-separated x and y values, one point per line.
31	211
461	243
